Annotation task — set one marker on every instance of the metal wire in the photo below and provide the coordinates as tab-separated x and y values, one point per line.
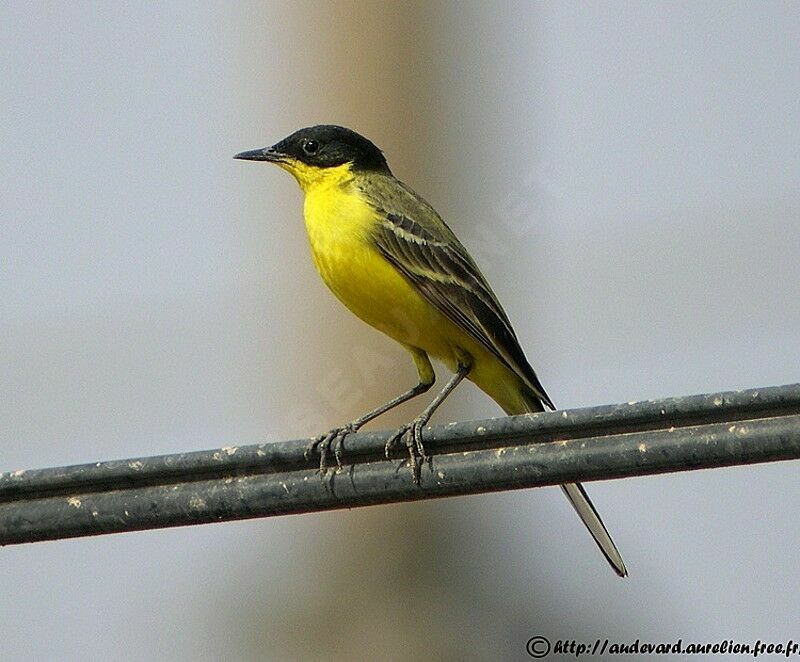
595	443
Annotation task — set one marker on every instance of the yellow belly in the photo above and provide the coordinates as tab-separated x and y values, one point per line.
338	226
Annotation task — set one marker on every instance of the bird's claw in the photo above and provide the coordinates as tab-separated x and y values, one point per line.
412	433
333	439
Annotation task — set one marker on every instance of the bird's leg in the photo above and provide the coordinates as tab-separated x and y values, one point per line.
335	437
413	430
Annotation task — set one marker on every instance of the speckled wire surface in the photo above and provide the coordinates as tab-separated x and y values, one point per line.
595	443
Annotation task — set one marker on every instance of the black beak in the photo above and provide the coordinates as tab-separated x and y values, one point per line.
266	154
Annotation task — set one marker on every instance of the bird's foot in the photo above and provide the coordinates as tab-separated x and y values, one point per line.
411	433
330	441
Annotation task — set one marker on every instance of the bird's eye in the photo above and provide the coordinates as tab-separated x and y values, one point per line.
310	147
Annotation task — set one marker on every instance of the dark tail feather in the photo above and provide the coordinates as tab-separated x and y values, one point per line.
583	506
580	501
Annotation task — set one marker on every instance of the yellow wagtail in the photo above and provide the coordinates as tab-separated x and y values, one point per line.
389	257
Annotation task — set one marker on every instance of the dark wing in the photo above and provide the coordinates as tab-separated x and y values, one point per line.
430	256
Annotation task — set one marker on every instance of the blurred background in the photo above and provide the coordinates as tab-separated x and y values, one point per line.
625	174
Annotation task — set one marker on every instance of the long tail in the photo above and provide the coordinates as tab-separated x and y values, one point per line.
580	500
586	511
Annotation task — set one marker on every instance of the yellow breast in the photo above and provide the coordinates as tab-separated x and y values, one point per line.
339	222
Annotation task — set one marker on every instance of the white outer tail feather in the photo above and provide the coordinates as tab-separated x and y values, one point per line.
583	506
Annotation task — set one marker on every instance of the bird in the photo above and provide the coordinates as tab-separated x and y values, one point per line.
388	256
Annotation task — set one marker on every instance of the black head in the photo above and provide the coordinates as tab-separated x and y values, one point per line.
323	146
